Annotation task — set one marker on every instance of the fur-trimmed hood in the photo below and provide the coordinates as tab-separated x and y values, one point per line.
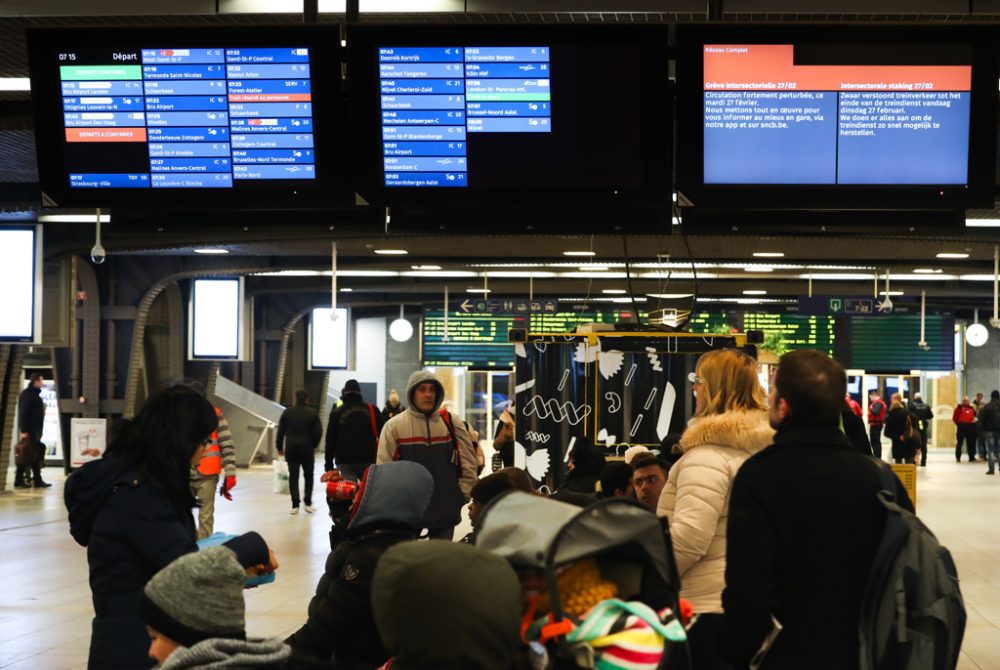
747	430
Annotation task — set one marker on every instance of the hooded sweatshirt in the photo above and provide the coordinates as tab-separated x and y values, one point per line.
695	498
227	653
447	606
425	438
390	509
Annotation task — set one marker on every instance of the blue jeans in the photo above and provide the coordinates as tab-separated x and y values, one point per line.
991	442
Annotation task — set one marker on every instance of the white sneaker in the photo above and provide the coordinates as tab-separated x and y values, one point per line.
295	510
310	509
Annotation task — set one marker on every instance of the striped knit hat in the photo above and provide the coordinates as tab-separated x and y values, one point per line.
625	635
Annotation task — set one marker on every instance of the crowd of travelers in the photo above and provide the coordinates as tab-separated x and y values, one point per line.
758	496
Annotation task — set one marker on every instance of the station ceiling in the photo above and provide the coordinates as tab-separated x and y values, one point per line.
835	263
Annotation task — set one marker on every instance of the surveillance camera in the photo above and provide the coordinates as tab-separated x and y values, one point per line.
97	254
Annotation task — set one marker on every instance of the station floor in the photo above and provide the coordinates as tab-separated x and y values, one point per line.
45	609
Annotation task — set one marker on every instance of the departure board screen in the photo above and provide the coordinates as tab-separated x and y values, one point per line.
889	343
129	115
452	115
474	340
812	117
797	332
769	120
566	322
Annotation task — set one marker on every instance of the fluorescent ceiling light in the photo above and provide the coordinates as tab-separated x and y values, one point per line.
758	268
73	218
591	275
927	271
478	290
922	277
425	267
593	299
890	293
982	223
15	84
752	301
521	275
835	276
593	268
614	291
754	292
288	273
347	290
769	254
948	254
365	273
578	253
670	296
391	252
442	274
976	277
211	251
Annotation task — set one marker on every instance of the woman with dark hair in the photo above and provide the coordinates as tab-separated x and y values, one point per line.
132	510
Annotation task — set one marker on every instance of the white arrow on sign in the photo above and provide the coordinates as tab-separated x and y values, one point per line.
465	306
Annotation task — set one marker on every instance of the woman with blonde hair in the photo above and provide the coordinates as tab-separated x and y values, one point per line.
730	424
899	427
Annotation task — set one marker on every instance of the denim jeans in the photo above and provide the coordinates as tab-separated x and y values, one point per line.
991	441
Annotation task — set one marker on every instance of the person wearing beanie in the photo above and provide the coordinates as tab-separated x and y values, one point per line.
634	451
352	434
447	606
196	617
387	510
392	406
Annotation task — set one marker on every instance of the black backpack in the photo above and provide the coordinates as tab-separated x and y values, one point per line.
912	614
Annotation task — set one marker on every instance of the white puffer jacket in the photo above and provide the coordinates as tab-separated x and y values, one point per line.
695	499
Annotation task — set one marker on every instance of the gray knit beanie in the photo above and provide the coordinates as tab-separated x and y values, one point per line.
196	597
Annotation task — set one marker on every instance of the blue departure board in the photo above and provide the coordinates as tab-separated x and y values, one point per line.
187	118
433	99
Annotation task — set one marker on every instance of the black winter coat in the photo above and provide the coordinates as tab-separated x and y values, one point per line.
31	412
350	437
895	427
341	622
804	525
131	530
299	431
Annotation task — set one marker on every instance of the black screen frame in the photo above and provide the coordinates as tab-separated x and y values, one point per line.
330	188
979	192
655	117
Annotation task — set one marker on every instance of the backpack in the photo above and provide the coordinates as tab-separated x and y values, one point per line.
912	614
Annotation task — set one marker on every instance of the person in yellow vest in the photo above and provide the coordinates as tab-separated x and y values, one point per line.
219	455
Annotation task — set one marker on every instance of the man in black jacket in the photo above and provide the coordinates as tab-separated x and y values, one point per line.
989	430
299	432
923	413
352	433
804	525
30	419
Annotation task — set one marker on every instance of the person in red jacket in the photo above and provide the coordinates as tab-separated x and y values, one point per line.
964	417
854	406
876	419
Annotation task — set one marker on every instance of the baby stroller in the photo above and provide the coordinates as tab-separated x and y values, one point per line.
630	548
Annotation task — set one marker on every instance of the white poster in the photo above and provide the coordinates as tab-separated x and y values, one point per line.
88	440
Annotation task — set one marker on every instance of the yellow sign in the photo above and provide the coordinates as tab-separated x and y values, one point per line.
907	473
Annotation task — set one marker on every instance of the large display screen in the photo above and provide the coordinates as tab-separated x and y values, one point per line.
473	340
844	117
20	268
770	120
162	111
459	114
329	338
216	319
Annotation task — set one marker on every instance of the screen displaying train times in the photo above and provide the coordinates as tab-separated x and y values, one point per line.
163	117
773	115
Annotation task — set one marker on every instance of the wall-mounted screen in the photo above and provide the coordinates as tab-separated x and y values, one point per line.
133	116
888	343
473	340
329	338
851	117
216	319
20	269
456	114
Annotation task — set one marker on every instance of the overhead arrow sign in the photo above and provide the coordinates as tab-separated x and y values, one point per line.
465	306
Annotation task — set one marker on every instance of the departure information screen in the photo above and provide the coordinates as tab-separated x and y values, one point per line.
434	99
163	117
769	119
473	340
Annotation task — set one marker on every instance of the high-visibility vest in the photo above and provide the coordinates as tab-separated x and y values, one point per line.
211	462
